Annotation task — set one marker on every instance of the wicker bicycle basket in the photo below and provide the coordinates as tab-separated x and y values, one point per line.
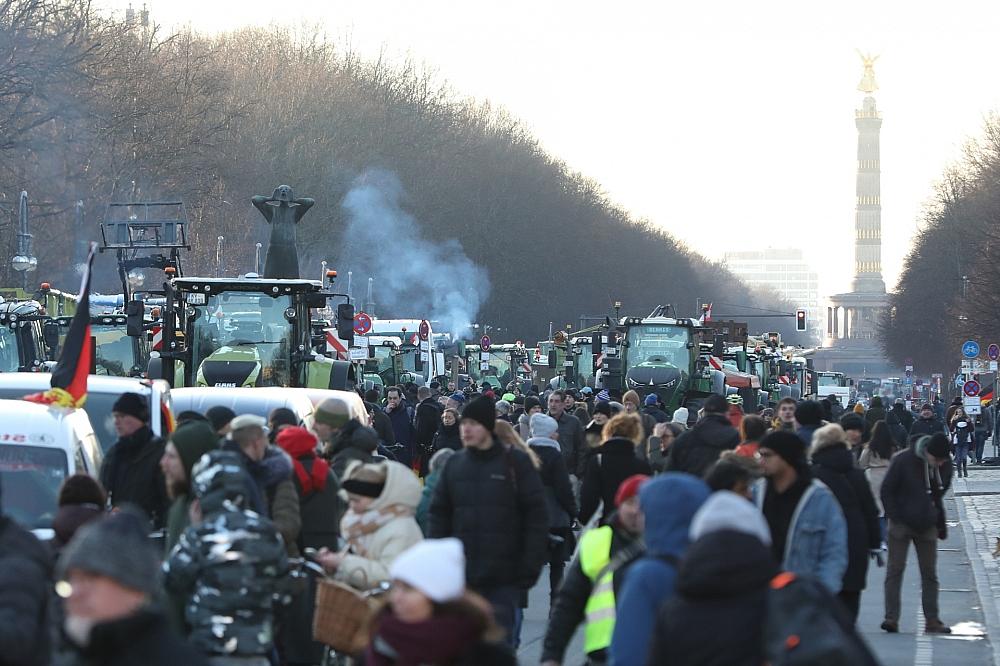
343	616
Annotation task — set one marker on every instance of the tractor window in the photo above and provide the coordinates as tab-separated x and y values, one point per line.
114	349
659	345
9	361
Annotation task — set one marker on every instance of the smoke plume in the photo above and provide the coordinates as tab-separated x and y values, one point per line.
414	276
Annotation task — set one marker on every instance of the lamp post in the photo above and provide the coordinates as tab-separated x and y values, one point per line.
322	270
256	259
24	261
218	256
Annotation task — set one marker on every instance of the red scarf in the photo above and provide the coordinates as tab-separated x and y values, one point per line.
300	444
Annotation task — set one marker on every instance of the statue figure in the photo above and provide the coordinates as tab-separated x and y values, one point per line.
283	211
868	84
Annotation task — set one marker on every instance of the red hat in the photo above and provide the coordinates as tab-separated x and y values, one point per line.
629	488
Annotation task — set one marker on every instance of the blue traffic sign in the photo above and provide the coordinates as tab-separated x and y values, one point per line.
971	388
970	349
993	351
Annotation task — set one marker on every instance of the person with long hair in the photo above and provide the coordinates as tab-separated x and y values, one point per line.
962	437
613	462
752	430
874	461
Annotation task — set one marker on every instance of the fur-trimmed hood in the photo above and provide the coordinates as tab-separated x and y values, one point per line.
828	436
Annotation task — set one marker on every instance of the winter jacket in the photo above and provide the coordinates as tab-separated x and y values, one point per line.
494	502
903	415
448	437
611	463
816	542
229	566
559	498
571	441
25	581
805	433
833	464
873	415
426	496
143	637
523	426
425	423
68	519
593	438
929	426
962	431
715	589
656	413
320	510
906	489
402	430
696	450
449	637
353	442
273	476
568	609
367	562
380	424
669	501
131	474
875	468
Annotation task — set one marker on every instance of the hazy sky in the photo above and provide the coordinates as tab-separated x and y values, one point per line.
728	123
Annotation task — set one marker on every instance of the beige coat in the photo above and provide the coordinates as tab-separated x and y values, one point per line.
875	469
386	543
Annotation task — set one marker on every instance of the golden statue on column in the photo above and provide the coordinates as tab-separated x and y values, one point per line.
868	84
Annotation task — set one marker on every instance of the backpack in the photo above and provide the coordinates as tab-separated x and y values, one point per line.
806	626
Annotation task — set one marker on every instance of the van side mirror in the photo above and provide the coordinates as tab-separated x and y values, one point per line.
134	312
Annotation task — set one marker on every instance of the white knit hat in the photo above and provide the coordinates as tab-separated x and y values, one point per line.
725	510
542	425
680	416
436	567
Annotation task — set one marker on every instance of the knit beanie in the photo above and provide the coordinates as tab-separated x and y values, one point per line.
788	445
481	411
651	399
502	407
193	439
132	404
629	488
219	416
458	397
81	489
681	415
436	567
543	425
117	547
938	446
852	421
531	402
808	413
332	412
508	397
725	510
603	408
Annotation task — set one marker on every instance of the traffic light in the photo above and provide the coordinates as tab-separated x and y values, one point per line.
800	319
345	323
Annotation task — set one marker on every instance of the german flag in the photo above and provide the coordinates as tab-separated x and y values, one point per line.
69	378
986	396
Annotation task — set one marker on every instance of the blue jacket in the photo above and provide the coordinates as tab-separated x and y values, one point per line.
817	536
669	501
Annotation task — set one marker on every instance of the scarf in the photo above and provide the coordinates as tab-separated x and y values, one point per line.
357	525
443	639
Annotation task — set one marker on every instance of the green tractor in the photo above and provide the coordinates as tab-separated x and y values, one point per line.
22	341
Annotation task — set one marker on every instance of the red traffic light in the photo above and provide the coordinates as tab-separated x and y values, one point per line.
800	320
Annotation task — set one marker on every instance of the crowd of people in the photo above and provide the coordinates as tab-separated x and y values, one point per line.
455	501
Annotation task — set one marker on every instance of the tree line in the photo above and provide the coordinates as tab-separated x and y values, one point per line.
96	109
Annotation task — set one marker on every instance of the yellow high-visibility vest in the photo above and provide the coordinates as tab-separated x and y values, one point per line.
595	556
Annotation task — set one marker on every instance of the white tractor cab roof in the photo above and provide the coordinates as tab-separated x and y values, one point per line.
102	392
259	400
39	447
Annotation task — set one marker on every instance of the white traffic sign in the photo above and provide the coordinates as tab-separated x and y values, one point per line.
972	405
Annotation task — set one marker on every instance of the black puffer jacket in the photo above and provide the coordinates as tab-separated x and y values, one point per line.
605	469
426	420
131	474
555	479
25	579
923	426
697	449
142	638
353	442
715	589
493	501
447	437
907	490
833	464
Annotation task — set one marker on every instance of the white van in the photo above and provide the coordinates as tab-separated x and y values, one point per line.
244	400
39	447
102	392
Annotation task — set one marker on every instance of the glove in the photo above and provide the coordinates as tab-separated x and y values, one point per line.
876	554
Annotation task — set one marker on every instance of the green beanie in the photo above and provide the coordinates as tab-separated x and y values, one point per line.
192	440
332	412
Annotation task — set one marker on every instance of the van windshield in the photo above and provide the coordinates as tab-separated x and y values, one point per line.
31	477
98	408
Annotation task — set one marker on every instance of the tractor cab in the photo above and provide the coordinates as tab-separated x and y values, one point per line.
22	345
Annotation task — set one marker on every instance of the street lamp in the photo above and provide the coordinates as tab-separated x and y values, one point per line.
256	259
23	261
218	256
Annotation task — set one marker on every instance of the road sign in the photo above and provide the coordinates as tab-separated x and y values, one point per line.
485	343
970	349
993	366
972	405
971	388
993	351
362	323
424	330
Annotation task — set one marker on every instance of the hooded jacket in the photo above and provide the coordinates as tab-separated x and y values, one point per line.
25	579
908	485
381	547
669	501
558	490
715	589
604	470
833	464
695	450
273	476
353	442
229	566
494	502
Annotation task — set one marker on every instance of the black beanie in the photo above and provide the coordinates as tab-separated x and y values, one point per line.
481	410
219	416
603	408
787	445
531	401
132	404
852	421
939	447
809	413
